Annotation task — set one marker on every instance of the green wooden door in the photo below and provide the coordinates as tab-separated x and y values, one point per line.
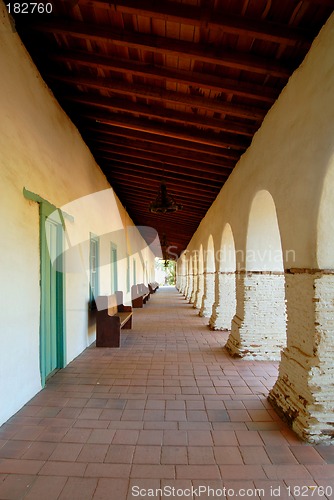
52	293
114	276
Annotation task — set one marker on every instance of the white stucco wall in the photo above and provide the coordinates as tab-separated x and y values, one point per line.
42	151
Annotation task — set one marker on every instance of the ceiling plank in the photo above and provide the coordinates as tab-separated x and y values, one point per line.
164	46
205	18
200	188
161	95
100	130
201	179
163	161
116	104
147	196
210	162
212	139
193	79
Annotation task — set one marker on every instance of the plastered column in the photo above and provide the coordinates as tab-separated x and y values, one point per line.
223	309
181	283
185	290
209	294
259	325
190	286
304	391
195	287
199	291
178	282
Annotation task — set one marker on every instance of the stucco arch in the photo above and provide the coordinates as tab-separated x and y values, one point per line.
200	259
200	279
325	223
195	277
226	259
263	241
209	279
190	274
225	287
259	325
209	256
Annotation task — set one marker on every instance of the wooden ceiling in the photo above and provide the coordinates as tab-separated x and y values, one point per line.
170	88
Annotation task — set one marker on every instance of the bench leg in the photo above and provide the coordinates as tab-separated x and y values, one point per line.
137	302
128	324
108	331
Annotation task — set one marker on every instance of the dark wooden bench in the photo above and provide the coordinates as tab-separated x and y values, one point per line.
111	317
153	287
140	294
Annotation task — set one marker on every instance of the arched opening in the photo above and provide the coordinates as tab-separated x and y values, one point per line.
190	278
200	279
225	295
263	246
195	277
259	325
209	279
304	390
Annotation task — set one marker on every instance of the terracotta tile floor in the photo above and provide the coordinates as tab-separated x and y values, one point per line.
169	409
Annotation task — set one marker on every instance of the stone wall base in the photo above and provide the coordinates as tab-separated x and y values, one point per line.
199	291
259	325
304	391
224	307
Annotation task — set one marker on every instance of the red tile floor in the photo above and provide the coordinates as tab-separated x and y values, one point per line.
168	415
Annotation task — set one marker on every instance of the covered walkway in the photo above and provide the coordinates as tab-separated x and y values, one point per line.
169	409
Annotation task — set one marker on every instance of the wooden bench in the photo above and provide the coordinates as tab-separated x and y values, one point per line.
153	287
111	317
140	294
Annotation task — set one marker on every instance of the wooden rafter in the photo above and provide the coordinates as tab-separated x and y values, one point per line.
202	17
161	95
199	161
164	46
193	79
100	131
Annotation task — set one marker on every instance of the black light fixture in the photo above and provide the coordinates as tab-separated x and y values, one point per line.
164	248
164	203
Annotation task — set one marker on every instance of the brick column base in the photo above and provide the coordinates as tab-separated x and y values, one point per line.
259	325
304	391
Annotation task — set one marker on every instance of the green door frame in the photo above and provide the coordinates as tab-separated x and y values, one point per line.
58	313
134	271
45	210
94	275
113	268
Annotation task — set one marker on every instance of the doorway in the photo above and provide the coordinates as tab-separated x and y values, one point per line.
52	319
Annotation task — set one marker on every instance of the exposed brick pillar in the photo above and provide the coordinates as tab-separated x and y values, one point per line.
304	391
259	325
209	294
199	291
223	309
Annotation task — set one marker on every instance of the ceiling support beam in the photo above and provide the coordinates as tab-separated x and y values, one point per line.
213	139
160	45
193	79
167	163
113	132
205	18
160	113
211	163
